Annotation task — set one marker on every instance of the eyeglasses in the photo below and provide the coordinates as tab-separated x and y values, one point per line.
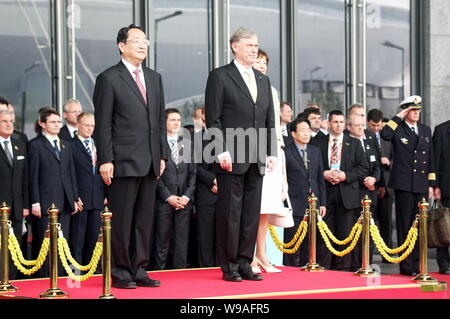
138	41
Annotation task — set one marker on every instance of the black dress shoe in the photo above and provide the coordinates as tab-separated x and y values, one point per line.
250	275
124	284
232	276
148	282
409	274
445	271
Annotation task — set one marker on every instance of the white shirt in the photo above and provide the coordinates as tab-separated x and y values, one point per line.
131	68
51	139
90	145
71	130
416	130
340	139
2	141
243	70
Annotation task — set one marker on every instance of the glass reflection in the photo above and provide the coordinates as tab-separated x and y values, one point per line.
181	52
96	26
25	58
321	54
388	54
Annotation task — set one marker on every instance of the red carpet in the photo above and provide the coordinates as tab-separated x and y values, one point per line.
207	283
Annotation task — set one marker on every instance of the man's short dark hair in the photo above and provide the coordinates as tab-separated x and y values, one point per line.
375	115
3	100
172	110
311	110
335	113
283	103
43	116
122	35
293	125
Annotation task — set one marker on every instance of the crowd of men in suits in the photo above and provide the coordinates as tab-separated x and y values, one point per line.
135	163
59	166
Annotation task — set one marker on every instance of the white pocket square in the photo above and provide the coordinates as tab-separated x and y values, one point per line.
20	157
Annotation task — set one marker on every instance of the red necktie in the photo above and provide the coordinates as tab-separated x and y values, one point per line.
334	151
140	86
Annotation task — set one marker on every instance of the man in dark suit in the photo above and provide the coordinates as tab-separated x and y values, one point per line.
412	176
239	98
345	165
358	110
174	201
52	178
285	118
385	194
14	172
368	184
85	225
313	115
205	200
131	147
72	108
304	169
441	143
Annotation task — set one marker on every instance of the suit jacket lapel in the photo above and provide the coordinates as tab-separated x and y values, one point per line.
47	144
238	80
149	85
3	155
259	85
344	151
126	76
81	146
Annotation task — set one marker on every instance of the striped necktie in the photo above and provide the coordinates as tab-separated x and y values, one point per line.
174	151
334	152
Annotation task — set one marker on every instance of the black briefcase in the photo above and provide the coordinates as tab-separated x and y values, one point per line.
438	226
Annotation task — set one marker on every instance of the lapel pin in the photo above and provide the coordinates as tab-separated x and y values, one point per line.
404	140
348	144
16	148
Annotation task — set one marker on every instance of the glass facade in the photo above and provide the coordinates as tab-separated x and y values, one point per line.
183	38
388	54
181	52
25	58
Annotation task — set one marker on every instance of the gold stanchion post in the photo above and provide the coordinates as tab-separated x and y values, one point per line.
312	265
424	277
106	257
365	270
5	285
54	292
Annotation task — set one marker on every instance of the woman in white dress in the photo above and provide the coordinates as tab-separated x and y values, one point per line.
274	189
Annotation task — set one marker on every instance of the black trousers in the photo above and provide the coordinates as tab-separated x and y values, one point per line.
84	230
442	254
132	201
406	208
171	238
384	215
301	257
340	221
206	215
41	227
237	218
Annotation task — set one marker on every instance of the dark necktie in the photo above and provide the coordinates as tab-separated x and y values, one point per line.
8	153
413	129
75	133
56	149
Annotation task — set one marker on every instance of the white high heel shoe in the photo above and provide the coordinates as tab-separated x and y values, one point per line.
267	269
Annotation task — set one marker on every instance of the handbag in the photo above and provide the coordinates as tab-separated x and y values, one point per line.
438	226
285	219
